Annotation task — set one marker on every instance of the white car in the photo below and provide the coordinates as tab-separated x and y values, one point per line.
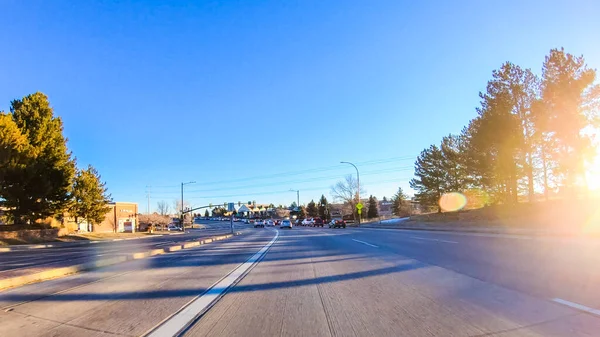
270	223
286	224
308	222
259	223
173	227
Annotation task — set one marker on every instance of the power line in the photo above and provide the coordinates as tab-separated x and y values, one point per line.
286	191
313	170
387	170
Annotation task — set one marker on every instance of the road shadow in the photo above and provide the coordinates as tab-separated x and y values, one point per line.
186	292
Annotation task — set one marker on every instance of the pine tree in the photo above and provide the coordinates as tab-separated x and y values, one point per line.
373	211
302	212
430	178
206	215
501	163
90	198
570	100
35	184
398	201
311	209
323	208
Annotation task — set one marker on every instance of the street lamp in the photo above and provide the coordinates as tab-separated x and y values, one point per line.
357	184
182	217
297	196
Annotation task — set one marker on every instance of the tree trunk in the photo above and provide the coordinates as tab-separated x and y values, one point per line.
545	172
530	182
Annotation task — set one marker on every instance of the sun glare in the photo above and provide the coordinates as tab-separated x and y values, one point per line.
593	174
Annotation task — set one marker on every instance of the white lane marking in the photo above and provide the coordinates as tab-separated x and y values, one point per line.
577	306
428	239
365	243
181	319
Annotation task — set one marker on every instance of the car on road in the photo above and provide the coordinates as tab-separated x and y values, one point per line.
318	222
286	224
298	222
173	227
337	223
246	221
308	222
259	223
269	223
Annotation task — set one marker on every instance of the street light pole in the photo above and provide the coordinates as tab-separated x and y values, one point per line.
357	184
297	196
182	217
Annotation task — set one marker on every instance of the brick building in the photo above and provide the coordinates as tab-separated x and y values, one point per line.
122	217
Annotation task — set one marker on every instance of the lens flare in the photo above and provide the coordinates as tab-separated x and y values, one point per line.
453	201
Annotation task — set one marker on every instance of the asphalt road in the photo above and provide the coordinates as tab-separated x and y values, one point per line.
325	282
64	254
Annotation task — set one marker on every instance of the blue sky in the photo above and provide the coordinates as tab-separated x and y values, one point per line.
252	98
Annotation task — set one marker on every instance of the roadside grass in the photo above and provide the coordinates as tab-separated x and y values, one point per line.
561	215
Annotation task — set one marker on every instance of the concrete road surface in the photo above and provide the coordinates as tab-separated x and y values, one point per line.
330	282
66	254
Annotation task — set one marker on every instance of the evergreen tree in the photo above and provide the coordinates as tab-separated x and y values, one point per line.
301	212
35	184
430	178
502	163
399	200
373	211
90	199
311	209
323	208
206	215
570	102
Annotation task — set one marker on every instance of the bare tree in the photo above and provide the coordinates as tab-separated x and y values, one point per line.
163	208
346	191
177	205
154	219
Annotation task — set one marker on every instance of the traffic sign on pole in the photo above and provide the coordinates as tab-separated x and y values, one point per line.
359	206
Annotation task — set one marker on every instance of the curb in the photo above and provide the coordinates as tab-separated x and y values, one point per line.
478	231
64	271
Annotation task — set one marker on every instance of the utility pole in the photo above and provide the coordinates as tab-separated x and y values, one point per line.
148	196
357	185
297	196
182	217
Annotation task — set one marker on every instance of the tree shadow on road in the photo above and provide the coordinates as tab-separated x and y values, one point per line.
187	292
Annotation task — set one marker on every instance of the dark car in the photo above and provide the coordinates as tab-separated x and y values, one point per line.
337	223
318	222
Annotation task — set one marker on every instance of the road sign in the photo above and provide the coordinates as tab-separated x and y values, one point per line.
359	211
359	206
230	207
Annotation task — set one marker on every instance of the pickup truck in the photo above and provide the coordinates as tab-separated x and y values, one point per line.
318	222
